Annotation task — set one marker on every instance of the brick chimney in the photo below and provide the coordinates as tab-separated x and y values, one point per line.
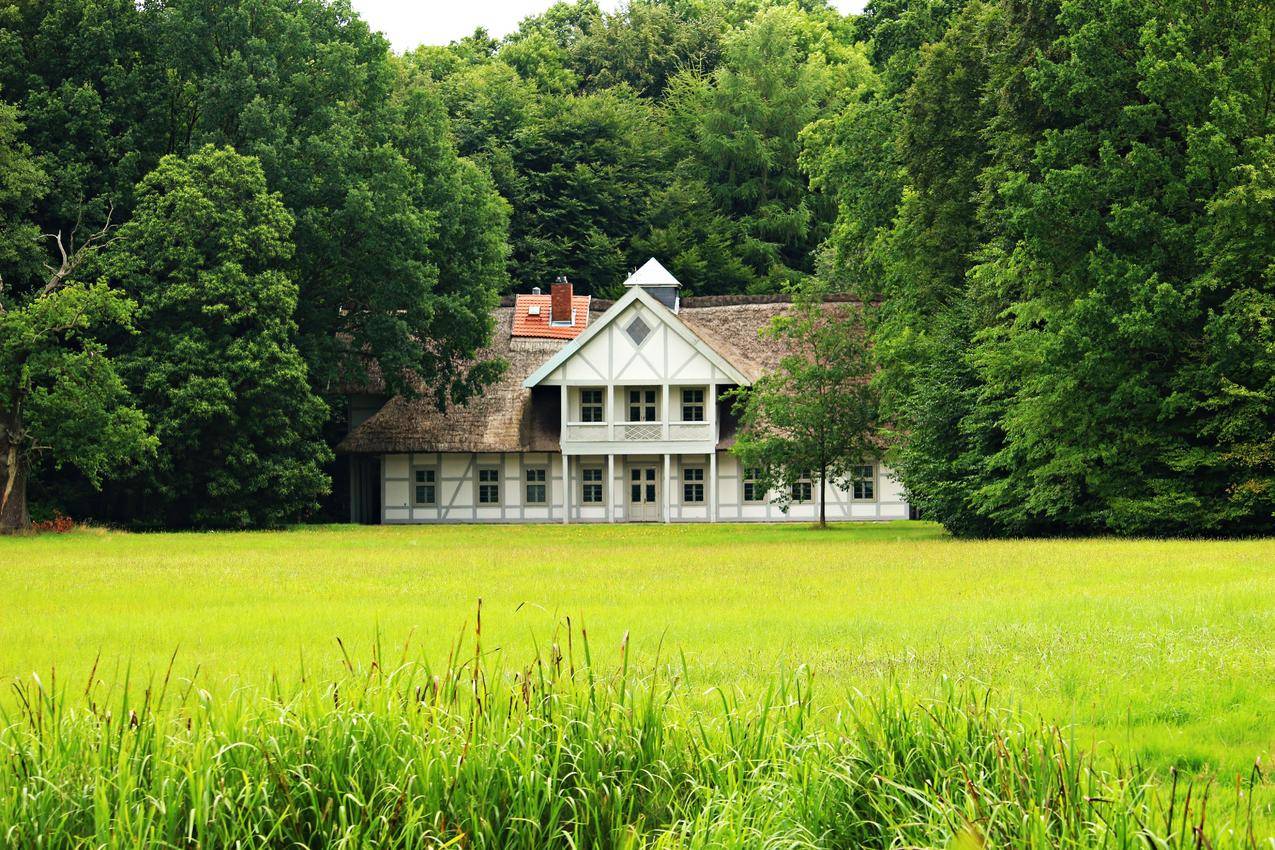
560	302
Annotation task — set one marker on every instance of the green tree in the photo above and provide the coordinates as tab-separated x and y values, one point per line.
61	399
735	133
816	414
585	170
206	256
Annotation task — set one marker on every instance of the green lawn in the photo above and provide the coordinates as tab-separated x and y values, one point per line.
1163	649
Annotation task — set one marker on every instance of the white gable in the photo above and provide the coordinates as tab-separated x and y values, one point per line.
611	350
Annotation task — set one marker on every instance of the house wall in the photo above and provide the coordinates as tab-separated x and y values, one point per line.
456	480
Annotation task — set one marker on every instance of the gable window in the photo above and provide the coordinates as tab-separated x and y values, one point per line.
591	485
638	330
692	404
425	486
488	485
800	490
693	485
591	405
642	405
753	491
537	486
862	482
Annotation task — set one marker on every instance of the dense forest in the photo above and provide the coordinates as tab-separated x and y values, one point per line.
1062	212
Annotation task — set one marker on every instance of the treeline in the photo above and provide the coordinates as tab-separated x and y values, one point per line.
1067	210
1064	210
668	128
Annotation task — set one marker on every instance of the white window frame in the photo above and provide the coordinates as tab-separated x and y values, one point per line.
479	484
600	483
435	484
600	404
702	404
643	404
701	481
745	481
856	482
528	483
805	482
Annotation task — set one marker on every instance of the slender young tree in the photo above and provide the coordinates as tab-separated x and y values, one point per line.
816	413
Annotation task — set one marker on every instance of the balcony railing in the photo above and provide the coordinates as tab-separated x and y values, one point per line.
638	432
591	432
642	432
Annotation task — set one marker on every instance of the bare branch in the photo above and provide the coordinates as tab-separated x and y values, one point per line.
73	256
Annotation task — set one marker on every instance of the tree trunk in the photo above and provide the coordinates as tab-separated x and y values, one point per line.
13	476
823	497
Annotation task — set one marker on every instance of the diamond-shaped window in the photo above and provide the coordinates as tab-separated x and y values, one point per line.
638	330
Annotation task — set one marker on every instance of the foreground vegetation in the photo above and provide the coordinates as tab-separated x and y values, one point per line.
1150	655
563	753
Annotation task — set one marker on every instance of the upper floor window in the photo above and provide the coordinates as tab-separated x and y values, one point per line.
693	485
537	485
425	486
862	481
591	405
488	485
692	404
642	406
753	491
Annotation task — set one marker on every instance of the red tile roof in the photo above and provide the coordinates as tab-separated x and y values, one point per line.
525	324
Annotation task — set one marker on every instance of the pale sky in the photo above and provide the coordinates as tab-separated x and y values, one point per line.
407	23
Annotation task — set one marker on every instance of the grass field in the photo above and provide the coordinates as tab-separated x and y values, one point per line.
1163	651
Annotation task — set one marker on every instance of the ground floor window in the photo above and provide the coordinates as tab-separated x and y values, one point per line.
425	486
800	490
753	491
693	485
862	481
591	485
488	485
537	487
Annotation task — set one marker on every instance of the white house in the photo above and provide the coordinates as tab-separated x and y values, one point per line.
609	412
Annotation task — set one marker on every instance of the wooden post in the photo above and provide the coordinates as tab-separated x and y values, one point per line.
610	491
566	488
667	412
566	465
712	483
668	488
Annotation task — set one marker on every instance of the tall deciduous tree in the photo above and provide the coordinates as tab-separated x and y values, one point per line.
61	399
735	133
206	256
814	416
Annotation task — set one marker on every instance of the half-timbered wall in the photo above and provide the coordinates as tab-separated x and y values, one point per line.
457	479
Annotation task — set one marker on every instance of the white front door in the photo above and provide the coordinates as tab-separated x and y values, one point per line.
644	493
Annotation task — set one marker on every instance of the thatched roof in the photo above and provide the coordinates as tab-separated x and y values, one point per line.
501	419
504	419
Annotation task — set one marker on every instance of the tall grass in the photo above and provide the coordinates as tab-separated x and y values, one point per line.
567	752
